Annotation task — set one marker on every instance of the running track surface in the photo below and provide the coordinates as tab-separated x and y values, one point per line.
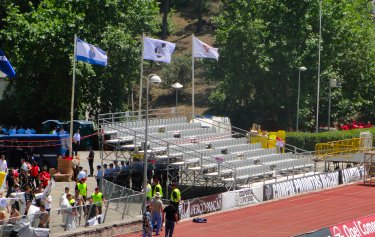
286	217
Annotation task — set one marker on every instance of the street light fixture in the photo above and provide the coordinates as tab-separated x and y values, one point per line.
153	79
301	69
177	86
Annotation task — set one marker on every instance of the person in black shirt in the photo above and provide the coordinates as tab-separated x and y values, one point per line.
10	182
170	215
28	197
90	158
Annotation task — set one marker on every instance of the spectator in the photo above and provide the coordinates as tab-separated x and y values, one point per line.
99	175
48	203
77	142
43	217
3	218
39	189
24	165
80	201
28	131
3	164
107	172
62	131
44	177
14	215
91	211
147	223
34	174
90	158
170	216
29	197
3	203
81	174
156	214
21	130
10	182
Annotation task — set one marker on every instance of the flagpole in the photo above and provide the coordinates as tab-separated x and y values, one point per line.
72	101
192	80
140	80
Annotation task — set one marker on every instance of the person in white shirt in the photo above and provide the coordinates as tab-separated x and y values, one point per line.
77	141
3	203
82	174
24	165
48	203
3	164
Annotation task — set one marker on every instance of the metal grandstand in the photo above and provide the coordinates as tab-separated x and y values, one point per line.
192	153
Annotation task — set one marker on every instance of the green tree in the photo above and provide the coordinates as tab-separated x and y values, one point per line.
262	45
40	43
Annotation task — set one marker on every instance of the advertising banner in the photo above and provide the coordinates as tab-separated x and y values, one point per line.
359	227
202	205
300	185
351	174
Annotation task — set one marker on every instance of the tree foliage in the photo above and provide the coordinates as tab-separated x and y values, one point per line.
262	45
40	44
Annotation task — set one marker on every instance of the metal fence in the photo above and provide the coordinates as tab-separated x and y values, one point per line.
121	204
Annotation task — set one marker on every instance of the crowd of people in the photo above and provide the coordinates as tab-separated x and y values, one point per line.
25	187
12	130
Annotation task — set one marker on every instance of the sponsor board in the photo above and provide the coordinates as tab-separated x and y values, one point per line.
351	174
245	197
319	233
356	228
300	185
202	205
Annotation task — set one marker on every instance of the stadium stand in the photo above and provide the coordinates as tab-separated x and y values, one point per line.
200	153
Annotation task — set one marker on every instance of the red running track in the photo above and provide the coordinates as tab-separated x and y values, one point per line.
286	217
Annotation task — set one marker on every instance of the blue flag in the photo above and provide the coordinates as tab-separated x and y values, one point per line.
89	53
5	66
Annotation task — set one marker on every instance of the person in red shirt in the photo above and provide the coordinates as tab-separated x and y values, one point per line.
34	174
44	177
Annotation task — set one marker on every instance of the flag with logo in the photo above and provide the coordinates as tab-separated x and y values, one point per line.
158	50
89	53
5	66
203	50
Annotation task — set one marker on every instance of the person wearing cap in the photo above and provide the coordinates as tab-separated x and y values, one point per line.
175	198
99	175
156	212
157	188
98	199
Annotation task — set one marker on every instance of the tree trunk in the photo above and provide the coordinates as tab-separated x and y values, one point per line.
165	20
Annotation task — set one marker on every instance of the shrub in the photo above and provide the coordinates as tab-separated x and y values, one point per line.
307	141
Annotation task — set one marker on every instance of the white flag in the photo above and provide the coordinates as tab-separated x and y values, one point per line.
90	54
203	50
158	50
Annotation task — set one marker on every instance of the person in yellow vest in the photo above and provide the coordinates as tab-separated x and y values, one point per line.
175	198
148	191
82	187
157	188
98	199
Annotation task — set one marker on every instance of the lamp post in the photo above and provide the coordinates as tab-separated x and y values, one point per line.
301	69
155	79
318	89
177	86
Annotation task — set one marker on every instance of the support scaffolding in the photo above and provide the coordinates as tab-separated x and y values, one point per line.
369	163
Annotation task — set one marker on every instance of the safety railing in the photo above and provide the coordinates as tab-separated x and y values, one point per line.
341	147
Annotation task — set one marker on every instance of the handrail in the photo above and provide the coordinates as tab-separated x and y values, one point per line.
243	132
165	143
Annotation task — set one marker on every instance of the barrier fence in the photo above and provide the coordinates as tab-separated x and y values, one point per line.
120	204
